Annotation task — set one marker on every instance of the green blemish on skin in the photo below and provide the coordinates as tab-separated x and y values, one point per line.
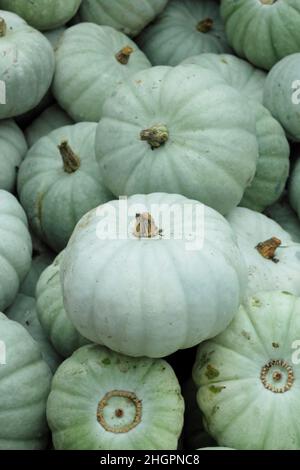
106	361
256	302
286	292
211	372
215	389
275	345
246	335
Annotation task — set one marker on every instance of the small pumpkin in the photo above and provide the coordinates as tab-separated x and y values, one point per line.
103	400
13	149
284	215
40	261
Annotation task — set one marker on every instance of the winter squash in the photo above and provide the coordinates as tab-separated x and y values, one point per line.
178	130
23	423
263	31
159	278
13	148
54	35
184	29
59	181
26	68
43	14
49	120
90	61
272	258
40	262
103	400
23	311
51	313
248	376
128	16
284	215
15	248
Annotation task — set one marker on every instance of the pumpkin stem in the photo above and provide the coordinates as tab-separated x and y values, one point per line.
70	159
156	135
277	370
124	54
204	26
267	248
2	28
129	401
145	226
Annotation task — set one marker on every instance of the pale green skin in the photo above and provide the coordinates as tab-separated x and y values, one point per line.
49	120
55	35
26	67
23	311
55	200
51	312
212	150
244	414
128	16
13	149
43	14
15	248
24	387
87	70
83	380
174	37
279	94
39	263
263	34
284	215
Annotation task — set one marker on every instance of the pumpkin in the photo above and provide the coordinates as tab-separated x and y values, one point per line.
149	289
15	248
128	16
184	29
23	311
59	181
49	120
26	68
13	149
263	31
54	35
272	258
24	387
90	61
248	376
43	14
39	263
101	400
178	130
284	215
51	313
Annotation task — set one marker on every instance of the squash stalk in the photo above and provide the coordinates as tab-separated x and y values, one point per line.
204	26
124	54
145	226
2	28
70	160
128	410
156	135
267	248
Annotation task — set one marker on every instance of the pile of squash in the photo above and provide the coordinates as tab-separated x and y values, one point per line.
149	224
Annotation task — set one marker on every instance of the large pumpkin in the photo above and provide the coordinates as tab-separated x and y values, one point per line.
248	376
59	181
26	66
24	387
147	290
178	130
90	61
101	400
13	148
284	215
263	31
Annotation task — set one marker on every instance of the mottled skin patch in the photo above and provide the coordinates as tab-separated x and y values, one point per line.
256	302
246	335
216	389
275	345
106	361
211	372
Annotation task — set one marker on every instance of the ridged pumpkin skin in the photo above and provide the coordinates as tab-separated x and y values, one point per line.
210	151
54	35
13	149
87	69
263	31
248	379
280	273
24	387
167	294
128	16
51	312
56	191
26	66
40	262
284	215
15	248
43	14
101	400
177	33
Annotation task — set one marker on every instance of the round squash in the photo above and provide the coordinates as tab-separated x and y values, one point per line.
24	387
40	262
184	29
272	258
101	400
263	31
168	293
128	16
15	248
13	149
26	67
178	130
90	61
59	181
51	312
248	376
284	215
43	14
